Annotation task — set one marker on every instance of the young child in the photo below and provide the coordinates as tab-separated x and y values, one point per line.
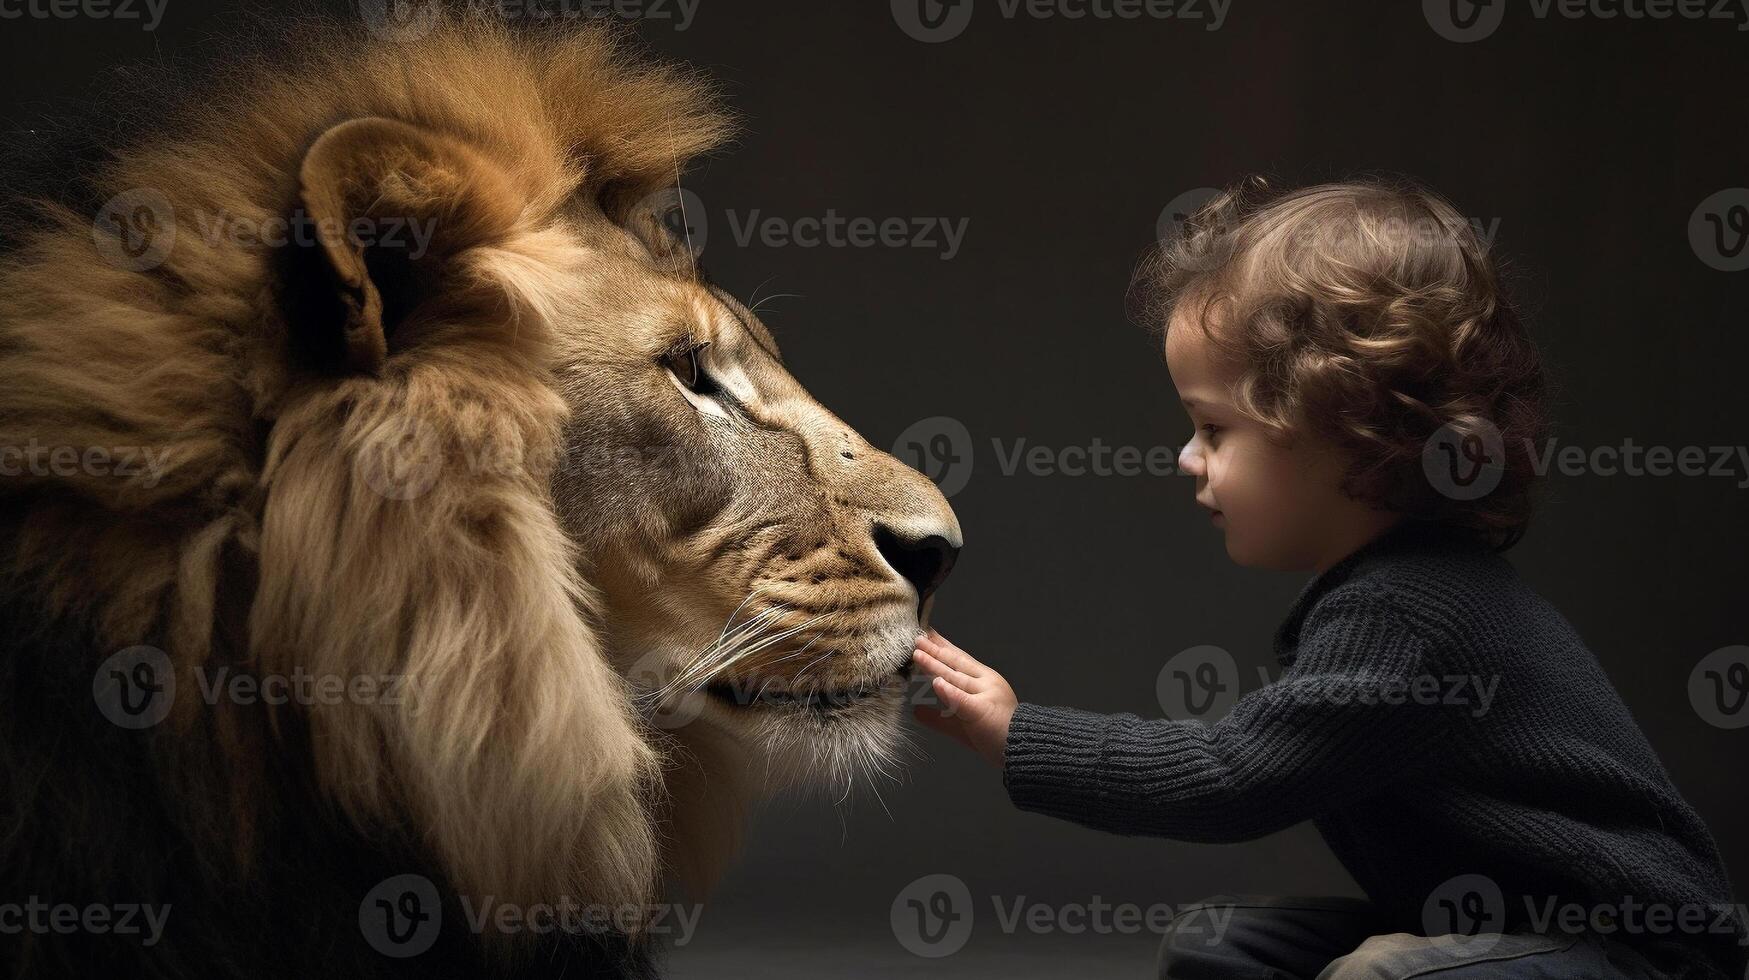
1366	406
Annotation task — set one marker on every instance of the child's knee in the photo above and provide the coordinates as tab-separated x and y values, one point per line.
1192	939
1400	955
1390	957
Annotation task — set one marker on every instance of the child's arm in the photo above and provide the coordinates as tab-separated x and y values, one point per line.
1339	724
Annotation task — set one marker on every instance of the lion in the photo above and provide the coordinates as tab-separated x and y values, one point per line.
398	528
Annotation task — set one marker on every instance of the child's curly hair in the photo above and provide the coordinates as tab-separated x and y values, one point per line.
1371	315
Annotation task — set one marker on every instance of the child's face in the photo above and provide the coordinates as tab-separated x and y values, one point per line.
1279	506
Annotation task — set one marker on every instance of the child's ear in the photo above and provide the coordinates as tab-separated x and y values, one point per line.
382	206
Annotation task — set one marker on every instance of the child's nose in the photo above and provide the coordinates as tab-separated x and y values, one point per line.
1190	459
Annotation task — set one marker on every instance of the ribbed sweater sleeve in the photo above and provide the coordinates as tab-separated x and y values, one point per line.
1343	720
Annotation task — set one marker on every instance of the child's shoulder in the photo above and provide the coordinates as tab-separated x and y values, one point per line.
1439	581
1464	595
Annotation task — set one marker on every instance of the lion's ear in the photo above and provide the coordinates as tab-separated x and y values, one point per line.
382	205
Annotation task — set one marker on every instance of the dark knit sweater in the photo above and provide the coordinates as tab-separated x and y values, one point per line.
1552	793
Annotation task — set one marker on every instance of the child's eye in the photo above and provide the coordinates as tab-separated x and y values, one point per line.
1211	430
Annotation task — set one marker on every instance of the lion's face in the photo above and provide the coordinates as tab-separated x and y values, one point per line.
763	569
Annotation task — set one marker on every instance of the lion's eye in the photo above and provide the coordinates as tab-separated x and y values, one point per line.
687	367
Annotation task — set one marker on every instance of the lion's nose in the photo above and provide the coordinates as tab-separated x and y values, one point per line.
922	561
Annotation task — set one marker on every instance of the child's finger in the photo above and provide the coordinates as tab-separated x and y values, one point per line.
954	697
951	655
941	670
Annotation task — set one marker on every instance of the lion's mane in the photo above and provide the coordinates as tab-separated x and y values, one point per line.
513	765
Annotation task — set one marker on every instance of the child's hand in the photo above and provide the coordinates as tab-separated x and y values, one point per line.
978	701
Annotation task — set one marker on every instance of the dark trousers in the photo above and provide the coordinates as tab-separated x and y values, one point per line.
1232	937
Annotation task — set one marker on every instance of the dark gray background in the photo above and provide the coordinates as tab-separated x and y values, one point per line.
1591	142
